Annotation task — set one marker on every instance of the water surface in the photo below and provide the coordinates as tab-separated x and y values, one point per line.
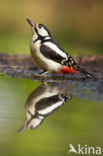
76	120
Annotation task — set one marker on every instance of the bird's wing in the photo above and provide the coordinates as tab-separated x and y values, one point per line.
48	105
46	102
53	52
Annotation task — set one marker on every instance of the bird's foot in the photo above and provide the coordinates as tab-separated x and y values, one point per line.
43	73
63	77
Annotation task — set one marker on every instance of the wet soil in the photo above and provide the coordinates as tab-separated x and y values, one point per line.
24	66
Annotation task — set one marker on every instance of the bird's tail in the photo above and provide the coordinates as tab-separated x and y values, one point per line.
84	72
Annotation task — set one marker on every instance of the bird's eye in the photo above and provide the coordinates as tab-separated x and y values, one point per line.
40	26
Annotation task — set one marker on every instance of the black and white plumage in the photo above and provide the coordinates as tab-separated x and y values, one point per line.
42	102
49	55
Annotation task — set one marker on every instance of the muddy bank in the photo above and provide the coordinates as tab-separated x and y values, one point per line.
24	65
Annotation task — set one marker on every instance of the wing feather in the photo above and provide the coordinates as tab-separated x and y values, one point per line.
52	50
51	54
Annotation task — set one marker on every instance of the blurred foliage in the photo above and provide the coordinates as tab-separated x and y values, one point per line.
76	24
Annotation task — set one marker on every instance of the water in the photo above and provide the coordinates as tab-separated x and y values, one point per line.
73	114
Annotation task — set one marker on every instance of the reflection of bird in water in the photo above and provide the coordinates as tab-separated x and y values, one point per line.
42	102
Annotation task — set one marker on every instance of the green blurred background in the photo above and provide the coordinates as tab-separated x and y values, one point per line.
76	24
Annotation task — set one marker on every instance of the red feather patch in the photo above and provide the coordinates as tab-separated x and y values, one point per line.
67	70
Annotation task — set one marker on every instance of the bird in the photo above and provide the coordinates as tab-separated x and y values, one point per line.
49	55
42	102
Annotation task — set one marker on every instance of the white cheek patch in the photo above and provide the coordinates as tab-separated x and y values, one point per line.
34	123
42	32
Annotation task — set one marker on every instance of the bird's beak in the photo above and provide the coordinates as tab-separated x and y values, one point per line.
30	22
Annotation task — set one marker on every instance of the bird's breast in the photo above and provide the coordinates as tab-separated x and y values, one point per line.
41	60
34	47
37	56
35	51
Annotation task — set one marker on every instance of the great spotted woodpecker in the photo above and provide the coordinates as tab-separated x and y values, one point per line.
42	102
49	55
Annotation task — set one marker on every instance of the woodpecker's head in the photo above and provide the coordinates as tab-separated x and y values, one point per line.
39	29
